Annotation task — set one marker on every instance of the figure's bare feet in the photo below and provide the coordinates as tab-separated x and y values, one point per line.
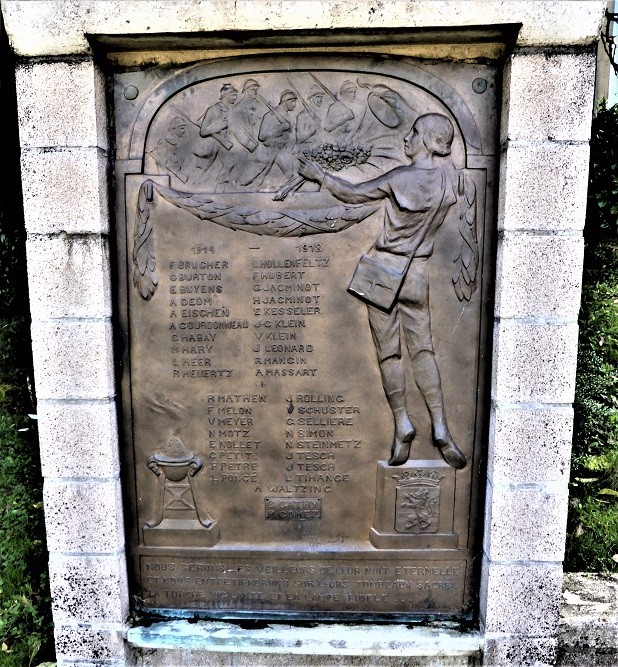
448	449
404	434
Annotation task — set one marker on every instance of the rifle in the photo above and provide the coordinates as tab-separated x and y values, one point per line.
307	108
278	116
323	87
224	142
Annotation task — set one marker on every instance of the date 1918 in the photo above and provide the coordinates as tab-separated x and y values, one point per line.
309	247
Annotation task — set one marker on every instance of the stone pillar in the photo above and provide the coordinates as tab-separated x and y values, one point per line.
64	157
545	130
547	101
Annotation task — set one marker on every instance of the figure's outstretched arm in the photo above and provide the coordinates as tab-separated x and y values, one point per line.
254	220
351	193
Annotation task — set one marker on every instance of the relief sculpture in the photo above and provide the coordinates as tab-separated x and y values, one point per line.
393	279
418	501
176	504
303	245
288	152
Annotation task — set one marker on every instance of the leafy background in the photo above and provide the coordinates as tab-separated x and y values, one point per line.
592	543
25	612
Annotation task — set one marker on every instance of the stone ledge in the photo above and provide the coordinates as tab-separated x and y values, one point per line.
57	27
588	631
325	639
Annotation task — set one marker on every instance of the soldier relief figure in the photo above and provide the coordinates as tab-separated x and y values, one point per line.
418	197
287	145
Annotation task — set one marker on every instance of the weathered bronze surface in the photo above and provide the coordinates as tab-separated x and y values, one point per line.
303	275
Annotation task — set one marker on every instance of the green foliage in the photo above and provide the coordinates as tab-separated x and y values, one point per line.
593	515
24	629
26	635
602	213
588	548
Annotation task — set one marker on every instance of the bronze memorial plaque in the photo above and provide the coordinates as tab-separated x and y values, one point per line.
304	271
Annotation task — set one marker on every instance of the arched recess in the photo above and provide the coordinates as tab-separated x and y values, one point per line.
382	65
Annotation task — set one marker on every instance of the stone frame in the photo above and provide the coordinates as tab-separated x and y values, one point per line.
545	127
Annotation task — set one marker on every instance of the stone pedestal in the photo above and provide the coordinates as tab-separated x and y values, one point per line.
414	506
546	83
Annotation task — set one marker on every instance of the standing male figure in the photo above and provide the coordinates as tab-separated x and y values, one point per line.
277	134
243	127
213	141
417	198
310	121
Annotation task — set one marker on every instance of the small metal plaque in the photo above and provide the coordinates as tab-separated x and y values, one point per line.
303	286
292	509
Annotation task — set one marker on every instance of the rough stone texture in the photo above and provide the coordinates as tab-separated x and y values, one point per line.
59	28
547	100
83	516
539	276
306	13
73	359
548	97
526	523
201	659
520	651
60	103
352	641
71	277
85	642
534	362
520	598
540	184
81	439
531	445
65	190
89	663
589	621
89	589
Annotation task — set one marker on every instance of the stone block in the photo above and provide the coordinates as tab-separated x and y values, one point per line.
83	516
520	651
87	642
78	439
520	598
541	186
61	103
90	663
306	14
189	658
549	96
589	620
68	276
539	276
88	589
534	362
531	445
56	27
65	190
73	359
526	523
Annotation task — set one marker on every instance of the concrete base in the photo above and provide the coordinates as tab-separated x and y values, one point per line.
222	643
589	621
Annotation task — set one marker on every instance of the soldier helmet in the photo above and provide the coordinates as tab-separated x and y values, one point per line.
287	95
315	90
347	85
250	83
227	88
177	121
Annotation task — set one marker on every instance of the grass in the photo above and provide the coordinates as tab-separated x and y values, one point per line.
25	624
26	631
592	539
